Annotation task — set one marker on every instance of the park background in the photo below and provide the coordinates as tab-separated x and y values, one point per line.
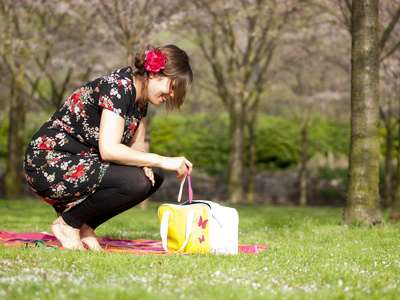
268	117
274	116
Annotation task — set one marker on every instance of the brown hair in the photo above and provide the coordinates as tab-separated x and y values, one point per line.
177	68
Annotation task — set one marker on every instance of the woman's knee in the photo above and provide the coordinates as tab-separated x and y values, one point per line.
131	180
138	183
158	175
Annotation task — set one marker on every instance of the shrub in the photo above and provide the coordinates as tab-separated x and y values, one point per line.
204	140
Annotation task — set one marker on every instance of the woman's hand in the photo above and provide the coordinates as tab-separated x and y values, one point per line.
179	164
149	174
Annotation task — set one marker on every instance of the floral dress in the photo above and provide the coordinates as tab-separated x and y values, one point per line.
62	161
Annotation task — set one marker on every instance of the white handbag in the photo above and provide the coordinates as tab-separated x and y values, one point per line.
199	226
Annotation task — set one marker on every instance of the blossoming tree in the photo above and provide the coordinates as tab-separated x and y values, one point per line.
238	40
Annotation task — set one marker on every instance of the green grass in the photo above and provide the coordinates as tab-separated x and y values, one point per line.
310	257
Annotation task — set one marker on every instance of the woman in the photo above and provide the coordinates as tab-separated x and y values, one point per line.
89	159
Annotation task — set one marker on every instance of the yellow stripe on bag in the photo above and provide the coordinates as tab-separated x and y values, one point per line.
181	219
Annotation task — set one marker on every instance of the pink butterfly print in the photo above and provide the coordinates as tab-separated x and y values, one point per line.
202	223
202	239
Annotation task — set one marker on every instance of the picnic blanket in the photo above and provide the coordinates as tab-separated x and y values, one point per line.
138	247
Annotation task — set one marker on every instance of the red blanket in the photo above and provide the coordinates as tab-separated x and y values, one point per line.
142	246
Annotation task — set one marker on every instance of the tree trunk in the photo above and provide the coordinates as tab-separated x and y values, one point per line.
362	200
303	164
331	160
252	160
395	211
236	154
14	178
388	162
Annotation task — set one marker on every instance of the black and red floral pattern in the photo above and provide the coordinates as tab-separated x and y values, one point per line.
62	161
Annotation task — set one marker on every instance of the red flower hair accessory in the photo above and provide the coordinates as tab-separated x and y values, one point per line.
155	61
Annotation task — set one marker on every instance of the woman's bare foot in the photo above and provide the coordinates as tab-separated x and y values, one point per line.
89	238
68	236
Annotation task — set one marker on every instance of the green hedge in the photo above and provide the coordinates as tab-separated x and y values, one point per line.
204	139
277	143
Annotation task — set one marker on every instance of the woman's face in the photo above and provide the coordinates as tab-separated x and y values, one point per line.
159	89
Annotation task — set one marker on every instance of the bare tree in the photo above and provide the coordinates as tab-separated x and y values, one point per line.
66	50
387	108
14	53
314	70
389	43
41	39
131	23
395	94
238	39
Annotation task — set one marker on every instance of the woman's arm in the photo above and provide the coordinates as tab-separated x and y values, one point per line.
138	141
111	149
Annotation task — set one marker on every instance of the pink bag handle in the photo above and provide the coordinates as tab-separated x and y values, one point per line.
189	188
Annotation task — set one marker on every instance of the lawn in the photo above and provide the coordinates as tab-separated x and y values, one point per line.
310	256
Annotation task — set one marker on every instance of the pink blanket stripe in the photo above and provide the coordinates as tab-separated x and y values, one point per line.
141	246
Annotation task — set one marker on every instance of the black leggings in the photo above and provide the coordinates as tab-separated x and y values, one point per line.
122	188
